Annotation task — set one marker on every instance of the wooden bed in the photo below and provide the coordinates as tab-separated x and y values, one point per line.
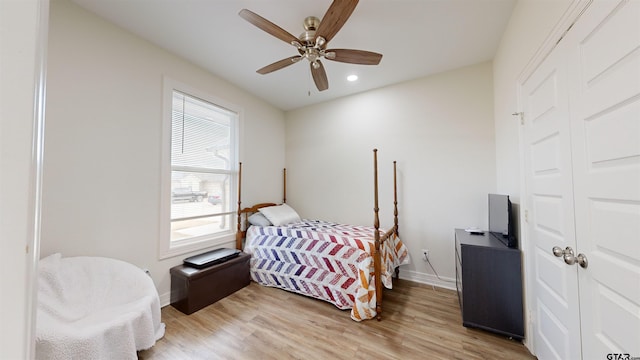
378	248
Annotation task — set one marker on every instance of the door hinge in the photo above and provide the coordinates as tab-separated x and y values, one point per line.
521	115
526	215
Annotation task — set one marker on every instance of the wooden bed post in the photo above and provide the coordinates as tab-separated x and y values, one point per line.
376	253
395	211
395	200
284	185
239	232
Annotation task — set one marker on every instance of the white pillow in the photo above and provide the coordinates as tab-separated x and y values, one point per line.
280	214
258	219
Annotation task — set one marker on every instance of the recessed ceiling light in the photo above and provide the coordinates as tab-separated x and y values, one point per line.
352	77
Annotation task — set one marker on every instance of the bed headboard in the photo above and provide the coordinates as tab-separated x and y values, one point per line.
244	213
243	223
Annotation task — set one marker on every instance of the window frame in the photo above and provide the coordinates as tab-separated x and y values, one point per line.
166	248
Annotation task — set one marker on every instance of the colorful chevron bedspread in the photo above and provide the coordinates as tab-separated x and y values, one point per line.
327	261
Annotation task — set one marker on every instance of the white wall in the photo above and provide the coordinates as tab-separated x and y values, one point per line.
21	53
530	24
102	166
438	128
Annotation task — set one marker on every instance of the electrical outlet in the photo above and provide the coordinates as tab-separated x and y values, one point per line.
425	254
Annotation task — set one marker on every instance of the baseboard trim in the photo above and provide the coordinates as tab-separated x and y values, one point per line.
422	278
165	299
428	279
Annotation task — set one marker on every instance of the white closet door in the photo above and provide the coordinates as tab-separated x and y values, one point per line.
549	195
605	110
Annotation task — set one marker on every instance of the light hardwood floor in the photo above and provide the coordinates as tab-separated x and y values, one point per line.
257	322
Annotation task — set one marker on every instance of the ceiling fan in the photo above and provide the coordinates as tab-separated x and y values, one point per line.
312	43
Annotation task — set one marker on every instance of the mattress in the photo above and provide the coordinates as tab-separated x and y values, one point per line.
324	260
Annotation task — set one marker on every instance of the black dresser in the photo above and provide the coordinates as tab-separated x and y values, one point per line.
489	284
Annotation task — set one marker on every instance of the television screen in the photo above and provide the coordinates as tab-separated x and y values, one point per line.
499	214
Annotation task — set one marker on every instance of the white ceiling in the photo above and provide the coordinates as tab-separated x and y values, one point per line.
416	37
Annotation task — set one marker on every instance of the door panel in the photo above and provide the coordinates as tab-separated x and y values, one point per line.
547	271
548	179
614	312
605	125
617	123
553	335
549	215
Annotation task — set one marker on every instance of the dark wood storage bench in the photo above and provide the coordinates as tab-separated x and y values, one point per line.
193	289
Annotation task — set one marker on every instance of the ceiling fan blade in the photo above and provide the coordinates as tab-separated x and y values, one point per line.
361	57
279	64
267	26
319	76
335	17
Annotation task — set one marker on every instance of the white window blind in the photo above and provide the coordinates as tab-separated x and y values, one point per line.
202	158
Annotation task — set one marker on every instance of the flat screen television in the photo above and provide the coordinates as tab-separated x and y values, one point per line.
501	221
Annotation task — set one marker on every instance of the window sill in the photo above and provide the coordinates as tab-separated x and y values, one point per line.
176	250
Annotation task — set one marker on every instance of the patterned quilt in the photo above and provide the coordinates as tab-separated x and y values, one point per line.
327	261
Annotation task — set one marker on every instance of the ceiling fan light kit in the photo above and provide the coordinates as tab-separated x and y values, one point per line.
311	44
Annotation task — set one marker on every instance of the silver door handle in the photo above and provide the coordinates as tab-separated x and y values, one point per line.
569	257
558	251
582	260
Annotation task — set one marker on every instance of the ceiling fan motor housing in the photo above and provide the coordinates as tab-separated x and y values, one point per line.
310	25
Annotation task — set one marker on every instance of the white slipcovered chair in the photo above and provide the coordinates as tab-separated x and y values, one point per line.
95	308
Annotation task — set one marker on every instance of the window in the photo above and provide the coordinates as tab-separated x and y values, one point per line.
199	172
